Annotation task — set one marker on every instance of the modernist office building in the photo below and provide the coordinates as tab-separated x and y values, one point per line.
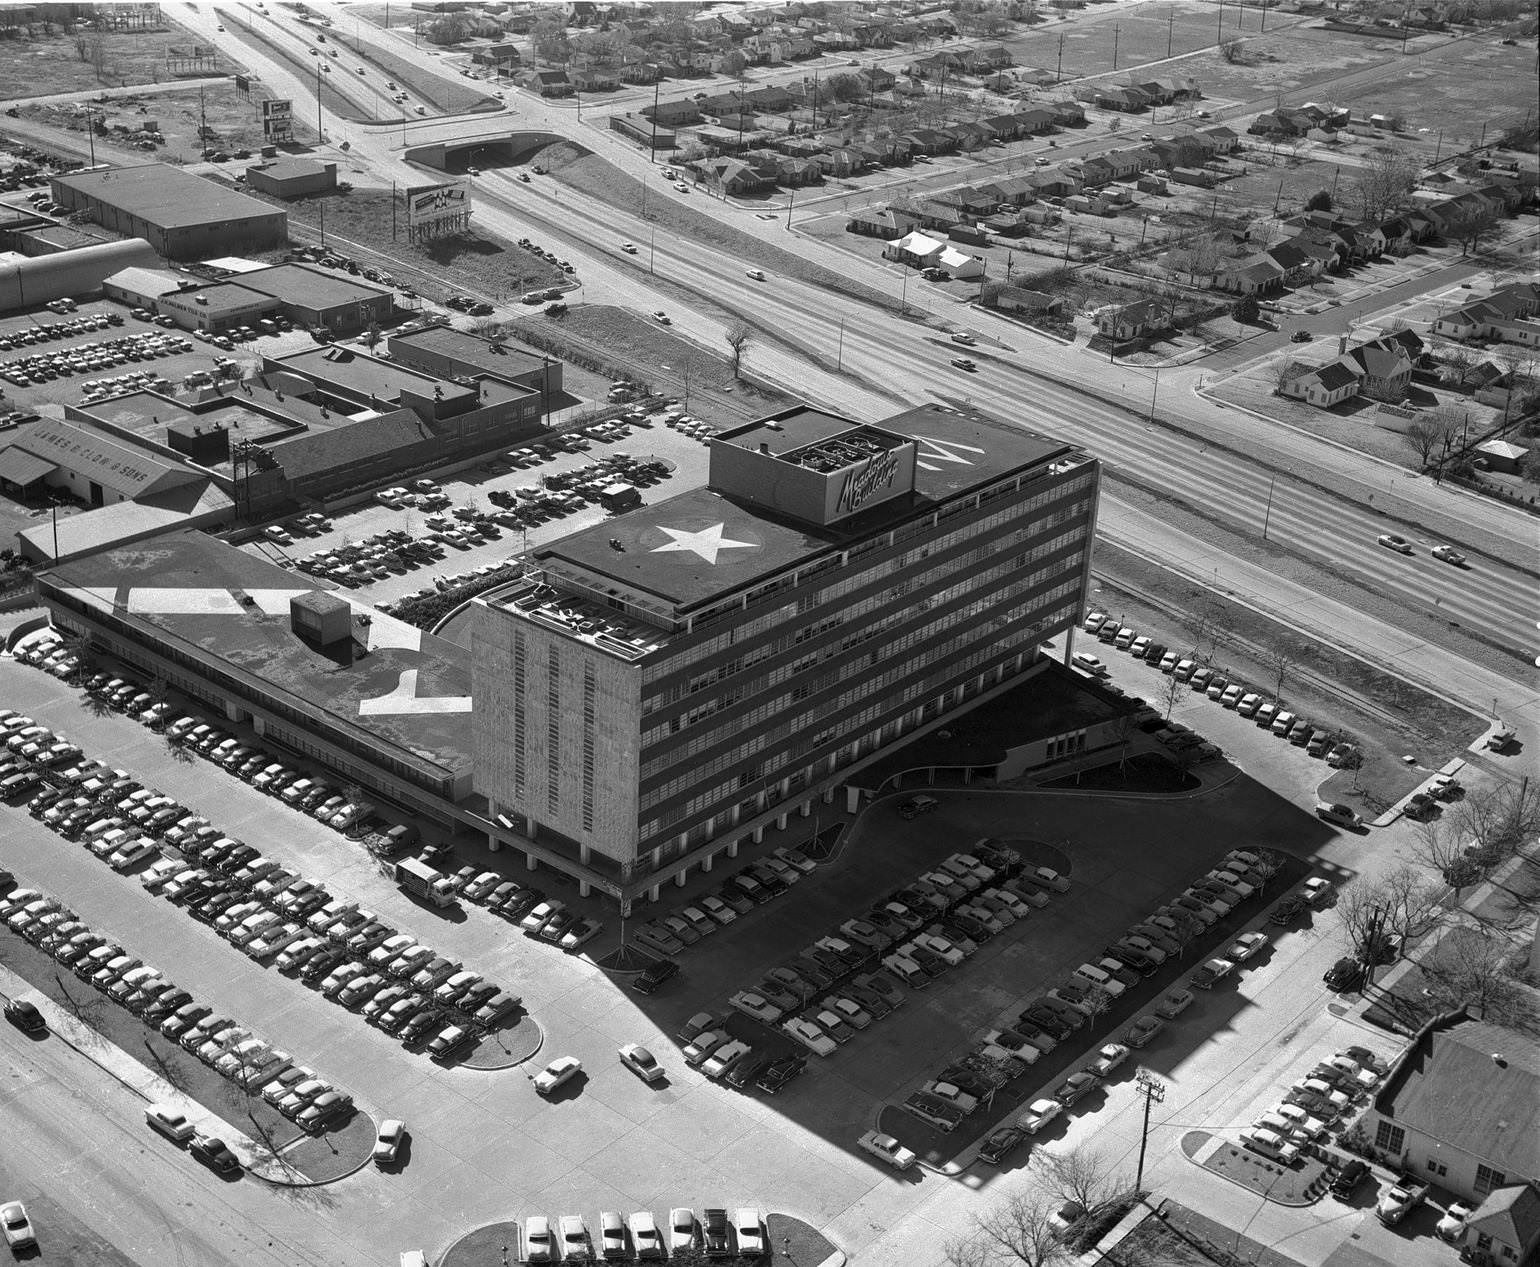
670	682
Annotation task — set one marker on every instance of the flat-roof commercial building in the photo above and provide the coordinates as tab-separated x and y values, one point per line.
292	177
182	216
670	682
217	307
381	703
448	352
316	297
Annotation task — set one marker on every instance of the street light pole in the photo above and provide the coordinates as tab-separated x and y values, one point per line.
1154	392
1269	513
839	359
1153	1091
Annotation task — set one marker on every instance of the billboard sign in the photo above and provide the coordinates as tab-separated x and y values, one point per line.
436	209
278	119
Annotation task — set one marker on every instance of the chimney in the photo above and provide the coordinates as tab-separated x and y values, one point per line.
765	449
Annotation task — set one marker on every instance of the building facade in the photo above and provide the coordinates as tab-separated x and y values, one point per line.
669	683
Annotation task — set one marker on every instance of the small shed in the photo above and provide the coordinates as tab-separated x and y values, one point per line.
1502	457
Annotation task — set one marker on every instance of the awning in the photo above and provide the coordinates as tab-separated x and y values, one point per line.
19	467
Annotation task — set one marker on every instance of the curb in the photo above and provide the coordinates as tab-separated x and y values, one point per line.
513	1064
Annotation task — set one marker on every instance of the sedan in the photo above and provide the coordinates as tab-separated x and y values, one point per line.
556	1074
19	1232
1392	542
1206	974
1075	1087
1244	946
1449	554
641	1062
214	1152
389	1141
1108	1058
1039	1113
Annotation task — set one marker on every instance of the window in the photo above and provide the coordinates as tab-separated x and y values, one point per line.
1390	1138
1437	1168
1488	1179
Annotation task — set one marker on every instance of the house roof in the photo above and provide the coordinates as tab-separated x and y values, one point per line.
1510	1216
1257	268
1380	362
1144	310
318	452
1473	1086
1335	375
112	463
17	466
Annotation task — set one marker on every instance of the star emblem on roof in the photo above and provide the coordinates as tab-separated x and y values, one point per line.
707	543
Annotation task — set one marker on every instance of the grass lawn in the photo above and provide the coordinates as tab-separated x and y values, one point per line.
44	64
1140	35
598	179
1477	82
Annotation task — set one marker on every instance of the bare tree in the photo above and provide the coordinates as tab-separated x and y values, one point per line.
1440	846
1081	1175
1283	372
1471	969
1497	822
1123	730
1432	433
1170	693
1461	361
1018	1230
1412	904
1269	863
1280	660
1472	225
1388	176
738	337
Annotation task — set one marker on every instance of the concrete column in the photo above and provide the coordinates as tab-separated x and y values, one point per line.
652	893
733	819
804	809
828	796
584	888
682	878
852	799
532	862
780	822
493	843
584	852
708	862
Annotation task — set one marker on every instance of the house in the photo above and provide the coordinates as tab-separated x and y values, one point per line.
1461	1107
593	79
1129	321
1254	275
1502	456
1504	1230
1504	315
1065	113
959	265
879	223
1099	169
930	141
1226	141
1056	183
877	79
1298	266
1121	97
1018	191
1397	232
1386	369
915	249
1006	127
1157	92
731	176
1193	176
1022	299
548	83
969	138
1322	386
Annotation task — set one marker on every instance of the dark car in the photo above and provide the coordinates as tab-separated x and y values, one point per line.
214	1152
1041	1017
1288	910
25	1017
1000	1144
1344	975
654	975
1301	336
1345	1182
779	1073
1154	652
322	964
744	1073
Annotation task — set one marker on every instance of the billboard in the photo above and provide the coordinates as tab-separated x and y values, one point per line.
278	119
435	209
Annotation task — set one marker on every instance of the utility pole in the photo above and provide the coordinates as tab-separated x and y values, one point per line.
1059	73
1264	17
1154	392
1279	198
1221	37
322	205
1267	516
652	155
792	196
839	357
1115	29
320	134
1154	1091
1170	29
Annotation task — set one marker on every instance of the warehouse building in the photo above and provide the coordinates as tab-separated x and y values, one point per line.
315	297
452	353
667	684
31	282
292	177
182	216
217	307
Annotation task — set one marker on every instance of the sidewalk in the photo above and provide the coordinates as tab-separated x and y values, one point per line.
145	1084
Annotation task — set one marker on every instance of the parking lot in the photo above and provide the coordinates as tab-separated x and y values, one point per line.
472	488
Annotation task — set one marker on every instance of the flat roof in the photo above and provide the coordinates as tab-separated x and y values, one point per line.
166	195
693	548
310	287
223	297
365	375
783	432
466	347
230	609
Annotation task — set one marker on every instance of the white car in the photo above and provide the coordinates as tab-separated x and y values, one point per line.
810	1036
641	1062
1244	946
1049	878
1270	1144
1039	1113
757	1006
887	1148
724	1058
561	1070
682	1226
749	1233
1107	1058
388	1142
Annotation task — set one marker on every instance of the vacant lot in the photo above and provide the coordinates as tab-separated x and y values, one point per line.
1456	92
479	262
1141	35
55	63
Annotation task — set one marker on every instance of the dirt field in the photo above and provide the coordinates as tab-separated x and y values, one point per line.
234	116
56	63
479	262
1140	34
1479	82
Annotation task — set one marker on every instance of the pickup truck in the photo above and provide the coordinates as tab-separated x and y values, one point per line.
714	1233
1400	1200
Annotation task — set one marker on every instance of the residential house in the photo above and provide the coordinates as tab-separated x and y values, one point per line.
1226	141
1322	386
877	79
1502	456
593	79
731	177
1180	151
930	141
881	223
1129	321
1121	97
1386	369
1157	92
843	160
971	203
1056	182
548	83
1006	127
503	55
928	214
1504	1230
1018	191
1065	113
1397	232
916	249
986	58
1099	169
1198	176
770	100
1253	275
1034	302
969	137
959	265
1299	266
1461	1108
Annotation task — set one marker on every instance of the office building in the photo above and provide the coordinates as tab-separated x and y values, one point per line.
670	682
